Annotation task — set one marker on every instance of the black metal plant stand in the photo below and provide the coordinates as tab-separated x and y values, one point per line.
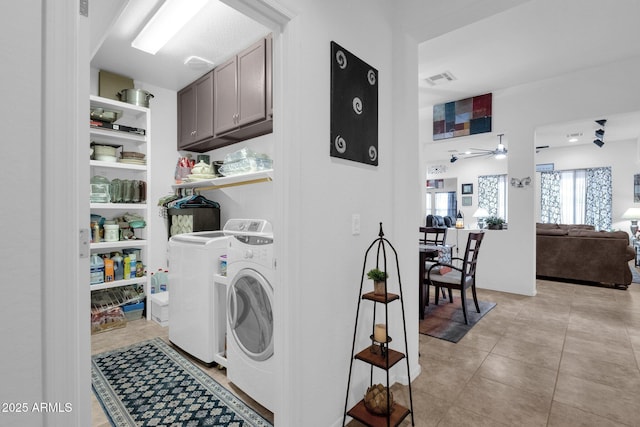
379	354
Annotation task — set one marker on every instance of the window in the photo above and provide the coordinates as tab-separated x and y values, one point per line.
442	203
578	196
492	194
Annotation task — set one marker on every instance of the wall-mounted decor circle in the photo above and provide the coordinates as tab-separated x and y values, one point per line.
340	144
357	105
341	59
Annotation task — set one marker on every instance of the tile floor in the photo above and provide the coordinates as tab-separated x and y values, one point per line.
569	356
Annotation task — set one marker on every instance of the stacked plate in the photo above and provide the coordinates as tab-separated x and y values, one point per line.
104	153
133	158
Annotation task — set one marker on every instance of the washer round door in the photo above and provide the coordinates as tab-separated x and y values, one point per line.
250	314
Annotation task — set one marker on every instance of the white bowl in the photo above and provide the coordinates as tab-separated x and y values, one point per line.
105	158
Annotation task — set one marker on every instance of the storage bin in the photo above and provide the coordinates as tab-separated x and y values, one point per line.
133	311
160	308
188	220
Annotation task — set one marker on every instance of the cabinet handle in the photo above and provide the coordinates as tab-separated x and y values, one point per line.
193	133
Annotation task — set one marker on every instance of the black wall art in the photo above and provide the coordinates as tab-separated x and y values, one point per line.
354	107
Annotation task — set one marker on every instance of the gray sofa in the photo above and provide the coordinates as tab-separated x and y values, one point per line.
579	253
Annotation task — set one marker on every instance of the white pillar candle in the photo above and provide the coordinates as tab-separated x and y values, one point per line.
380	332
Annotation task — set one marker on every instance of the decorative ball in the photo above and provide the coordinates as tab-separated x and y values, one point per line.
375	400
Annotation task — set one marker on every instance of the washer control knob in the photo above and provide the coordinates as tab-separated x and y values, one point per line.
248	254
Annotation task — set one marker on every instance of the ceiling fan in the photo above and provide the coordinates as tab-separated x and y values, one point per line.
541	147
500	152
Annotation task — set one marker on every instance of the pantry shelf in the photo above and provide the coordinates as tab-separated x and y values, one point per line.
119	283
229	181
120	244
119	206
117	165
114	136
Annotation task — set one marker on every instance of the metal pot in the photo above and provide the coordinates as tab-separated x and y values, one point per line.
137	97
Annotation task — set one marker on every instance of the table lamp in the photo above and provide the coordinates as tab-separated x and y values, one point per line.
481	214
633	214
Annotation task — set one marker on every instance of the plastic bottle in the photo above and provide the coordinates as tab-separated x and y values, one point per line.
132	266
118	266
97	269
108	270
164	281
127	267
154	283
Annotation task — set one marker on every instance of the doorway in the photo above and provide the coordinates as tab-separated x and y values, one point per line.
66	338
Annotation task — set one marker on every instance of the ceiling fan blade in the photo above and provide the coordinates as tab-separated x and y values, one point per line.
481	149
472	155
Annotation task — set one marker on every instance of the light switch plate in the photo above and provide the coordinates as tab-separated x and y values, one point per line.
355	224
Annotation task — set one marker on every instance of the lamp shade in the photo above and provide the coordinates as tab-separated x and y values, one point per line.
481	213
631	213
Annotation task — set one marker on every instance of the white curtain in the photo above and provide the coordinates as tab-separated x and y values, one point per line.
492	194
580	196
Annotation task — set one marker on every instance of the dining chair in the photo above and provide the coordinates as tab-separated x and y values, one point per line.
433	236
460	277
436	236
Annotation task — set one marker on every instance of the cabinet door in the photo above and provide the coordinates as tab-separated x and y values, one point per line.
251	84
204	107
225	97
186	116
269	75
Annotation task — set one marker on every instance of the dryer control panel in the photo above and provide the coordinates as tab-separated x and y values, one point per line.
258	226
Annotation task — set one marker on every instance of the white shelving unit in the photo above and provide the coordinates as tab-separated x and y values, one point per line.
229	181
133	116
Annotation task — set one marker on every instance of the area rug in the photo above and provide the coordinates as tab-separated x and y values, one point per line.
446	320
151	384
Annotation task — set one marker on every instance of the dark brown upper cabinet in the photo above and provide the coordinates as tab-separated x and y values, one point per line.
241	102
240	89
195	113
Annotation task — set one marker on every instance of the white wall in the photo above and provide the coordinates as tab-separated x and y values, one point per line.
518	111
323	260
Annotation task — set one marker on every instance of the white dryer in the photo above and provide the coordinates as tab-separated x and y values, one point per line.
250	327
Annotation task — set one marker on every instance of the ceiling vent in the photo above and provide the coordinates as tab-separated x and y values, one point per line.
437	169
197	63
441	78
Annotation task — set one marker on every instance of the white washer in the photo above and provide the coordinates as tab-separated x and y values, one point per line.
195	324
251	271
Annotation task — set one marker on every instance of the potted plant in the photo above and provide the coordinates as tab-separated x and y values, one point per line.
494	222
378	277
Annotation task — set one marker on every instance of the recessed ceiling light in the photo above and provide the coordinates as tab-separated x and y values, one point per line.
165	23
574	137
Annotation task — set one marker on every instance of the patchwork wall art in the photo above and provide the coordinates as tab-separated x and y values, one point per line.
354	107
468	116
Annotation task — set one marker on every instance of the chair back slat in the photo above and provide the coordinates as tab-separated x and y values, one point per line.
471	254
433	235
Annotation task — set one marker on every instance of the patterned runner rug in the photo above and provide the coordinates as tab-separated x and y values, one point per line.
446	320
151	384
